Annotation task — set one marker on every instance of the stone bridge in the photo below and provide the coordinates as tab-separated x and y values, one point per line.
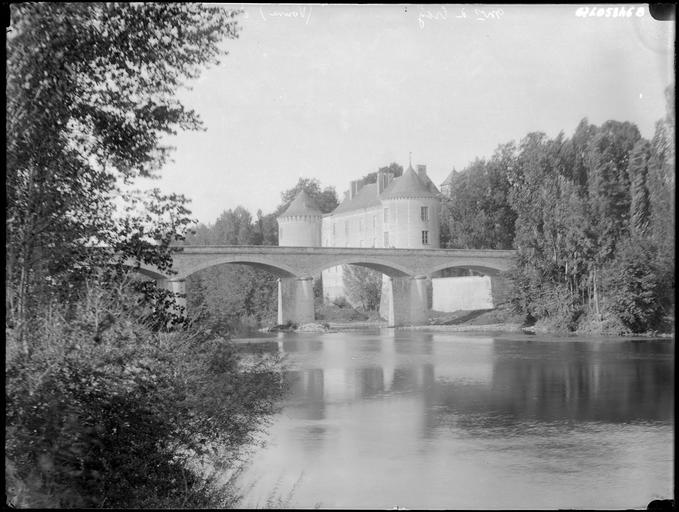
296	267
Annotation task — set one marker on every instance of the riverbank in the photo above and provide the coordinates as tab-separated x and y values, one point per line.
501	319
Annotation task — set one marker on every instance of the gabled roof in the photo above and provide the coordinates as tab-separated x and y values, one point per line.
365	198
408	185
303	204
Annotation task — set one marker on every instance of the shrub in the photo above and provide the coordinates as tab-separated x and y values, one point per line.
125	421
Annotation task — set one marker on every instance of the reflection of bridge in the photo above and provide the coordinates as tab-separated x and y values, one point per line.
296	266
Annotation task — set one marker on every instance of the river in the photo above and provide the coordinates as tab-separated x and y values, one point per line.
436	420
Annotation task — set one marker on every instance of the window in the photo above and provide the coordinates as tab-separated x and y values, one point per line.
374	222
333	230
346	228
386	238
360	225
425	237
424	213
386	215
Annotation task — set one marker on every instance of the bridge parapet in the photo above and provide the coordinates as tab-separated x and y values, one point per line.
308	261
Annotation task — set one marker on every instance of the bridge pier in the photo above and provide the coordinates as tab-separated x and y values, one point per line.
178	288
295	300
407	301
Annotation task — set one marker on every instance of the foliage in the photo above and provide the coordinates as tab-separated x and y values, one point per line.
576	205
573	217
477	214
363	286
394	168
229	297
103	408
633	286
123	421
326	199
90	91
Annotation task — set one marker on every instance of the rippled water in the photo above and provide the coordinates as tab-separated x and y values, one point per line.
378	419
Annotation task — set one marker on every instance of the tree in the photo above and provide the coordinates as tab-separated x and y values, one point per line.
326	199
634	286
477	215
394	168
90	91
363	286
640	206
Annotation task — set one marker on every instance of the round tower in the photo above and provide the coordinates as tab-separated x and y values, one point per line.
300	224
412	209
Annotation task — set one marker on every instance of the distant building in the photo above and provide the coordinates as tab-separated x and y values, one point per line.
447	184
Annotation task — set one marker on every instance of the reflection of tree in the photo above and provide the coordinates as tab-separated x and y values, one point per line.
306	392
370	380
567	381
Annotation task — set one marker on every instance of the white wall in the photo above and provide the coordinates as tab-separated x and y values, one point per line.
299	231
454	293
358	228
405	225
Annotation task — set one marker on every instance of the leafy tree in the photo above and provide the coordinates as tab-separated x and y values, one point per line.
228	297
90	91
609	183
477	215
363	286
103	410
326	199
633	286
394	168
640	207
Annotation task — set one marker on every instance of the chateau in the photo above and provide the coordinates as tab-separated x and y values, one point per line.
395	212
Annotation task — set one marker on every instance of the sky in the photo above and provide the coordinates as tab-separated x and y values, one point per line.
335	92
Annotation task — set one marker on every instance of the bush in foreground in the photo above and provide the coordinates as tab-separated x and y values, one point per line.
129	420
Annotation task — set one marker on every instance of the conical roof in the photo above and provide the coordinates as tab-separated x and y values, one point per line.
408	185
303	204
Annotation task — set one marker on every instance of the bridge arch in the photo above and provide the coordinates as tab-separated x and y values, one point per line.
487	270
150	273
278	269
380	264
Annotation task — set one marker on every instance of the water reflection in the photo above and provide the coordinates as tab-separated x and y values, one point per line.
395	407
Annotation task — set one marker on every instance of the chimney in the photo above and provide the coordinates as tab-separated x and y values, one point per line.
356	185
422	172
347	194
380	182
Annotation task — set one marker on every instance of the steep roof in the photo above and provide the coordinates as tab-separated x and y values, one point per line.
449	179
365	198
303	204
408	185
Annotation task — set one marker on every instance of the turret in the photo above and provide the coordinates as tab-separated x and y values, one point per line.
300	224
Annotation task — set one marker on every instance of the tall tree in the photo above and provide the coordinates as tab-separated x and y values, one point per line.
91	92
640	206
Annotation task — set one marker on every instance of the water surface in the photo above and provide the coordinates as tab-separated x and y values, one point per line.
385	418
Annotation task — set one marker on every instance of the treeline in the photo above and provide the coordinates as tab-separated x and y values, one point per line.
112	401
592	219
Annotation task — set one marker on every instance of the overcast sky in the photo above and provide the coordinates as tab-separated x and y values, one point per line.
334	92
